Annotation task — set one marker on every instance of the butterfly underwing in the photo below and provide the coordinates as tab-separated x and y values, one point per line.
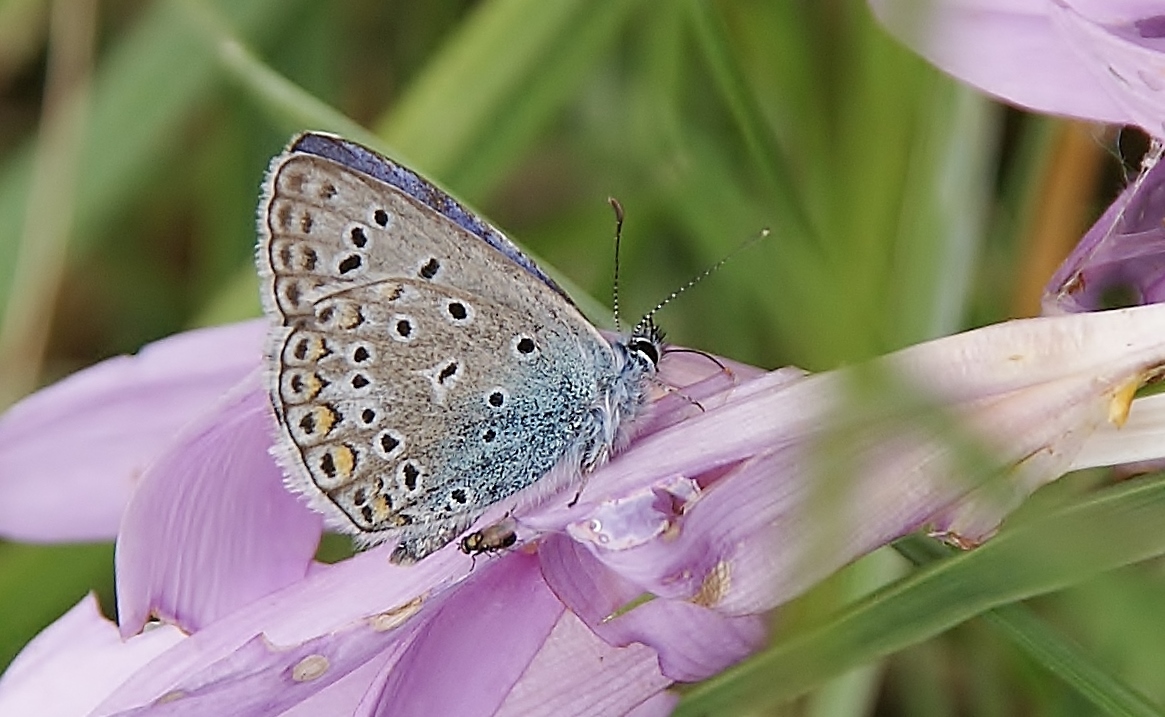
420	367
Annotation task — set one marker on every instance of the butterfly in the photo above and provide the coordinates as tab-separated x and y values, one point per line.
420	367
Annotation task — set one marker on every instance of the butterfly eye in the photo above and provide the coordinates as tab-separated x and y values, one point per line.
338	314
296	257
299	386
333	465
644	348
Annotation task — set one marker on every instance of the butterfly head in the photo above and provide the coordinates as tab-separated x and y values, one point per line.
645	344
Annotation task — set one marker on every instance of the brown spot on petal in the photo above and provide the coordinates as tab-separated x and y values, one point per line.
309	668
171	696
955	540
715	586
1122	401
386	621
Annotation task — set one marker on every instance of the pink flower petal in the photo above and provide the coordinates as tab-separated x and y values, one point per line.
71	454
590	591
578	675
350	600
1012	49
693	642
343	697
322	633
75	662
1137	441
1025	395
658	705
469	655
211	527
1116	11
1122	255
260	679
1129	59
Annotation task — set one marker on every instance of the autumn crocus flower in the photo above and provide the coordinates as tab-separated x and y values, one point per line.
1121	260
709	515
1101	60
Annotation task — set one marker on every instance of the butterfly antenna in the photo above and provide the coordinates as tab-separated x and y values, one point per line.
649	319
618	238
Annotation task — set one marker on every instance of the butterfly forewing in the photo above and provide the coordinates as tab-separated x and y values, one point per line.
419	375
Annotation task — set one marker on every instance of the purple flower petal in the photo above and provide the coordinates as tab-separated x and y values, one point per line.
1138	441
1122	257
659	705
70	454
75	662
1012	49
592	592
346	695
320	636
578	675
365	599
1027	393
260	678
693	642
211	527
1083	58
1127	55
469	655
717	516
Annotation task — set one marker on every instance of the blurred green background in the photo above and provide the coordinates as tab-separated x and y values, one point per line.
134	136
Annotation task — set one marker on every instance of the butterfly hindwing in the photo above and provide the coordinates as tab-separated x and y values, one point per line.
420	374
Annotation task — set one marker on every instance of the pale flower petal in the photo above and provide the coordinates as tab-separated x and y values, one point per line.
578	675
70	454
74	663
474	650
1122	256
1012	49
712	516
1010	404
1082	58
211	527
1139	439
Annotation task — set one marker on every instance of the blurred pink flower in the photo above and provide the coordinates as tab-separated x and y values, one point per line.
711	511
1121	260
1101	60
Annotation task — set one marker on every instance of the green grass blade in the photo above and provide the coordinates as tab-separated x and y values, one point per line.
763	149
511	68
39	583
145	87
